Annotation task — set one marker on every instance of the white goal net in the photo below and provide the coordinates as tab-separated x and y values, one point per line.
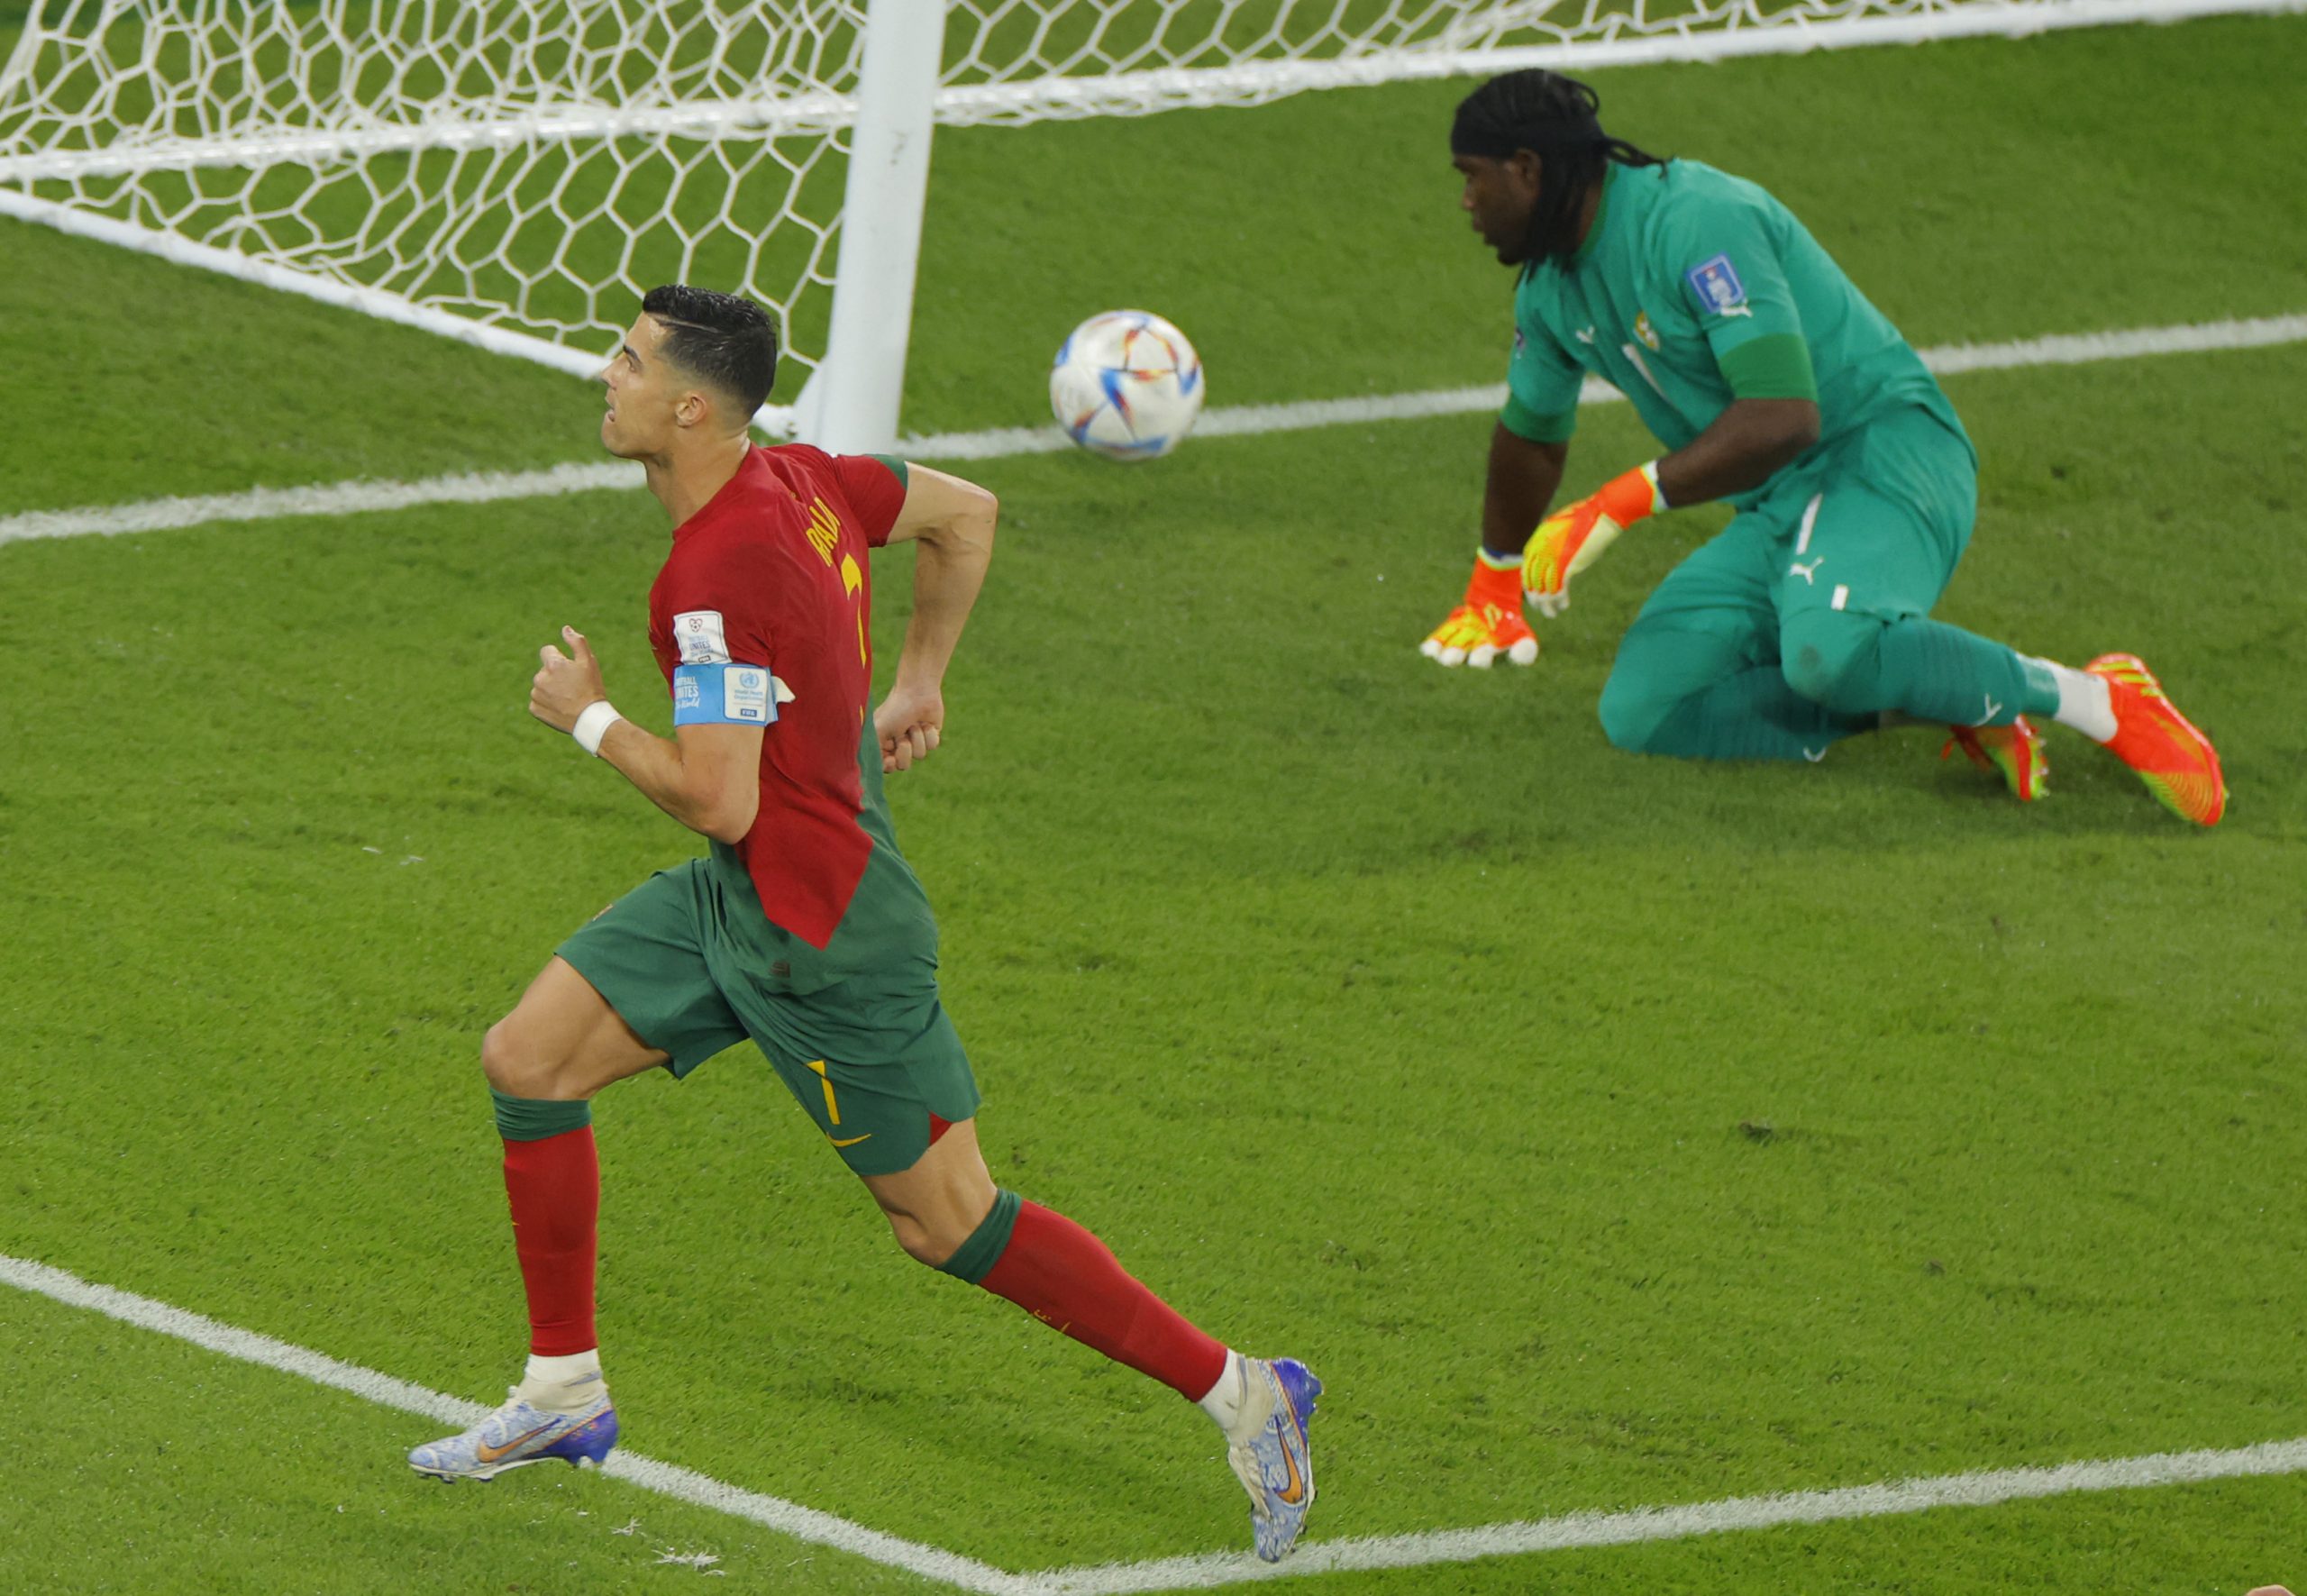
516	172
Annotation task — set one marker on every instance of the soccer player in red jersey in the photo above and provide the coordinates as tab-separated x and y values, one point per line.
802	927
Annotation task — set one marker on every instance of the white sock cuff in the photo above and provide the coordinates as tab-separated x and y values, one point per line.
2085	703
561	1369
1223	1400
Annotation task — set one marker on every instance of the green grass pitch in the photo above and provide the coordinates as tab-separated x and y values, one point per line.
1605	1131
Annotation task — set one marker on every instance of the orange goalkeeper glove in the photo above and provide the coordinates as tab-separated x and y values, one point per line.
1574	536
1488	622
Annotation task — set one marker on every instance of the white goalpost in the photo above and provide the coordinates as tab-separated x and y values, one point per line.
514	173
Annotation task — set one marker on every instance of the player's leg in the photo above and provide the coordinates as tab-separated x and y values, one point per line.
544	1062
905	1124
946	1212
1697	675
577	1028
1875	545
904	1121
1876	548
1855	636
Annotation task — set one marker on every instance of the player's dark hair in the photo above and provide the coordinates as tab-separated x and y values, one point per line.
1556	118
722	339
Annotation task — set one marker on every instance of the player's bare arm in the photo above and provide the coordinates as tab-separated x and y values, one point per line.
1520	483
706	777
1523	479
1744	447
953	521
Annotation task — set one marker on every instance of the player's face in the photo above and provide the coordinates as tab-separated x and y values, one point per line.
1498	197
644	392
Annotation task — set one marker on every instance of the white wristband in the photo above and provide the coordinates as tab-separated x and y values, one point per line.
593	725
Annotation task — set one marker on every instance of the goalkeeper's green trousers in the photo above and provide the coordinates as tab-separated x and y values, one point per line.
1807	617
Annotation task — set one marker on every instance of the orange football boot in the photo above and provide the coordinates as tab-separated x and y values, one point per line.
2015	749
2176	761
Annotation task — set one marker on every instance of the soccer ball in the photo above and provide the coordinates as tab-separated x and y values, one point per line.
1126	385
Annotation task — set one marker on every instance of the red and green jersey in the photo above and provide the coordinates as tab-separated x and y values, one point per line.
763	615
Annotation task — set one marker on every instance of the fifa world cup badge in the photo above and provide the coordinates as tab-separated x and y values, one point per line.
1715	283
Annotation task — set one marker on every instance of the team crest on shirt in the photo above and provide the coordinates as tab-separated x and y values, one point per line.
1715	283
1520	342
703	640
1646	332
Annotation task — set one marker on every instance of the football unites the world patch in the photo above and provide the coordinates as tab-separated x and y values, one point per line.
726	696
1715	283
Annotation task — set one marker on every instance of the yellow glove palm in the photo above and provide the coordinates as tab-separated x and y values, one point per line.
1574	536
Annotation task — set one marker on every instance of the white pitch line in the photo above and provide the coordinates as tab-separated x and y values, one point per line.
807	1524
339	498
2075	349
1984	1488
352	499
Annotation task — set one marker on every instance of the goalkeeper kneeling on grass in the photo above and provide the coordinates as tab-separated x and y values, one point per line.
1776	385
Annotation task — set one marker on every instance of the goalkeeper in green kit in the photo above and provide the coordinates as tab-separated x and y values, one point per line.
1775	385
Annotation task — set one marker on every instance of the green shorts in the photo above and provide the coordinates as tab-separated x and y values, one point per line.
694	967
1870	530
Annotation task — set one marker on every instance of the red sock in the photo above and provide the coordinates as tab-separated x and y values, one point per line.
554	1186
1069	1280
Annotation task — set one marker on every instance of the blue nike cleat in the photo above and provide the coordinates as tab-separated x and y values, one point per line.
1275	1465
516	1435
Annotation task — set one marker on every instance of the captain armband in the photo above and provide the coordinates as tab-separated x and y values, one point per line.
725	696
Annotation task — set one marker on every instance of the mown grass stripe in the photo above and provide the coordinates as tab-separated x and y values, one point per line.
352	498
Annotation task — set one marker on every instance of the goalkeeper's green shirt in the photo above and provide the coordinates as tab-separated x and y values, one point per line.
1694	287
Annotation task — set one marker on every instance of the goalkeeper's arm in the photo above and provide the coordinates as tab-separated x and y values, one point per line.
1743	447
1488	621
1523	479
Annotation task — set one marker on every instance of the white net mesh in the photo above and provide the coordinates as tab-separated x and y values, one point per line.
532	165
1030	60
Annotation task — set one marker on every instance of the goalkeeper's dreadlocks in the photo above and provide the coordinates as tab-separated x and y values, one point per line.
1553	117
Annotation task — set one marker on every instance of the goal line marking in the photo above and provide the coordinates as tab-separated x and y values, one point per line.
1984	1488
354	498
